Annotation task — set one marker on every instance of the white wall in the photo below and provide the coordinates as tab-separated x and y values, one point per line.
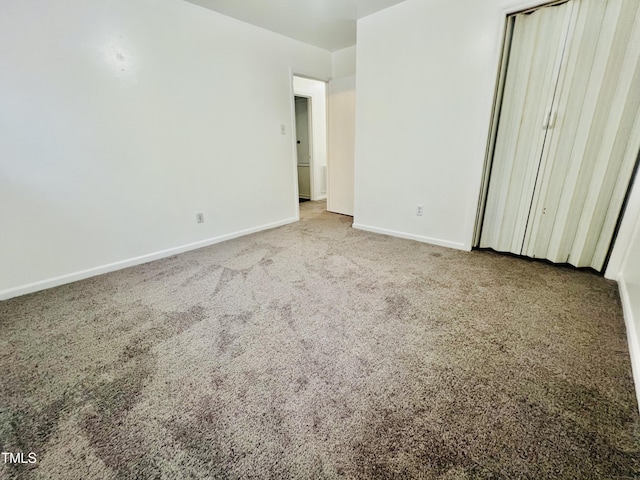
629	278
344	62
317	91
120	120
630	268
425	85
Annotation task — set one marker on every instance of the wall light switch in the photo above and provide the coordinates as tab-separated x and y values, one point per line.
283	129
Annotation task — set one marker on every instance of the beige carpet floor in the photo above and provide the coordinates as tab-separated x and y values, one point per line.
316	351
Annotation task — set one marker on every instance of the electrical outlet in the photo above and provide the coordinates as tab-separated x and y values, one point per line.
200	217
419	210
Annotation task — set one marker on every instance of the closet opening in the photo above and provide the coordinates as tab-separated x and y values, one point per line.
565	132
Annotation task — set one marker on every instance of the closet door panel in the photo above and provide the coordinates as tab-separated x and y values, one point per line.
616	161
585	168
570	97
534	65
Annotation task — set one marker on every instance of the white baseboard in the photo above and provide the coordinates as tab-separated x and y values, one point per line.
630	321
111	267
411	236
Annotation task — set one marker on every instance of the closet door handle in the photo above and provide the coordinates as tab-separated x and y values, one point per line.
550	119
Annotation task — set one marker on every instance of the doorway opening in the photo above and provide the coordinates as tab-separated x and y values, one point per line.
310	139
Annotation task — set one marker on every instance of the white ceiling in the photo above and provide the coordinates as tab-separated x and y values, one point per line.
328	24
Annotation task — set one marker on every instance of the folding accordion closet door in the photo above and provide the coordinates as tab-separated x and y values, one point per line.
568	134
